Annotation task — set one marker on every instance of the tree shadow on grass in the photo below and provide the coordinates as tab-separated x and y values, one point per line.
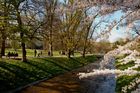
57	64
27	73
14	76
18	71
61	63
77	61
39	66
6	79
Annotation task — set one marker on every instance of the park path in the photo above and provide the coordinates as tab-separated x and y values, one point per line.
66	83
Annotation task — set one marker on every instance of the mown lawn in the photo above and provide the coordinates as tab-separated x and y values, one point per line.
125	79
125	66
30	52
121	56
14	73
138	69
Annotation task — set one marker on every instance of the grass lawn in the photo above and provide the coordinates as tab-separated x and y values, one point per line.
125	66
123	81
30	52
138	69
14	73
121	56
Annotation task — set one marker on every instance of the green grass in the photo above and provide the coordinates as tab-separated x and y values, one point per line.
14	73
30	52
123	81
121	56
117	63
138	69
125	66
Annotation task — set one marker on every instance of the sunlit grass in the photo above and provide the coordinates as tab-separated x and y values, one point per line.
120	56
138	69
30	52
125	66
15	73
123	81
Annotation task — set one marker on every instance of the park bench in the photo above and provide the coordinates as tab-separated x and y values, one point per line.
11	54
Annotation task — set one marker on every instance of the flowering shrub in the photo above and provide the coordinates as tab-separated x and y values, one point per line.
137	90
132	85
108	72
128	62
126	66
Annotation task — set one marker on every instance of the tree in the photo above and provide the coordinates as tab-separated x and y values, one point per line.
50	9
5	9
77	24
17	4
71	26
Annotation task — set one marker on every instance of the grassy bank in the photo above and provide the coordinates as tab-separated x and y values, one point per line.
125	66
126	80
14	73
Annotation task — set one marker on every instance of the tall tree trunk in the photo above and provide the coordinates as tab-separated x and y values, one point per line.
51	42
4	31
3	47
51	35
24	59
85	44
51	11
69	53
84	52
51	49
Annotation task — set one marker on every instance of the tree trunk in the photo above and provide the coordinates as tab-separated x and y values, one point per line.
3	48
51	49
69	53
24	59
85	45
3	32
84	52
51	42
51	37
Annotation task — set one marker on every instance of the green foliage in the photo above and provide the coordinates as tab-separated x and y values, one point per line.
15	44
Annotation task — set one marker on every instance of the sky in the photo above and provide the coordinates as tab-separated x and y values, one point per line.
115	33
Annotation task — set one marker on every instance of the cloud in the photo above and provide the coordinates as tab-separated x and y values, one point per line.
117	34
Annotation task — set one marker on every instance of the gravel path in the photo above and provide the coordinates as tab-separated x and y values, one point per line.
70	83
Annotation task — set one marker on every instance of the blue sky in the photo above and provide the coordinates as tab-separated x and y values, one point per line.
115	33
